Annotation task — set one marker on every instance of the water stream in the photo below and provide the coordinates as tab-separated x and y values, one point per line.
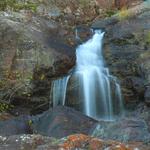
99	92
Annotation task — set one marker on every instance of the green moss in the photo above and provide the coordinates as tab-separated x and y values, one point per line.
110	13
123	14
30	122
4	4
147	38
14	5
29	6
84	3
2	83
5	107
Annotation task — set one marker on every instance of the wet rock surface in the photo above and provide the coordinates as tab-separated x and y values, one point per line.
126	50
62	121
124	130
132	127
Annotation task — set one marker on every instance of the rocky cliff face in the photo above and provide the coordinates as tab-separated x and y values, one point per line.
37	44
127	51
33	50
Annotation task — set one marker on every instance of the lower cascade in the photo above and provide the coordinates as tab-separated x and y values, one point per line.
90	88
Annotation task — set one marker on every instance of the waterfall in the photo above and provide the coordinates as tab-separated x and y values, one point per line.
98	93
58	93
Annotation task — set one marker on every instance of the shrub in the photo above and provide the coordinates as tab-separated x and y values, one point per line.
5	107
6	3
14	5
147	37
123	14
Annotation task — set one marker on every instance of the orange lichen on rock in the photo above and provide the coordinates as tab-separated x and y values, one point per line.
75	141
86	142
96	144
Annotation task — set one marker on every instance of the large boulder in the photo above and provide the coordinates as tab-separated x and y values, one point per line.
62	121
57	122
133	127
124	130
15	126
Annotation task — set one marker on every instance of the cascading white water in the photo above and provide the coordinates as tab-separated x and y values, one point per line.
100	92
58	93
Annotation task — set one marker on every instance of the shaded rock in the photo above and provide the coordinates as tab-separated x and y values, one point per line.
72	99
123	130
15	126
32	51
141	112
126	50
137	84
58	122
147	96
83	33
102	24
62	121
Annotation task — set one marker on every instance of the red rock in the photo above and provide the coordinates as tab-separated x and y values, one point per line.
86	142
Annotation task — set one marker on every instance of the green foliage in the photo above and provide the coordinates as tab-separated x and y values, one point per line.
110	13
123	14
84	3
5	107
30	122
2	83
6	3
28	6
14	5
147	37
